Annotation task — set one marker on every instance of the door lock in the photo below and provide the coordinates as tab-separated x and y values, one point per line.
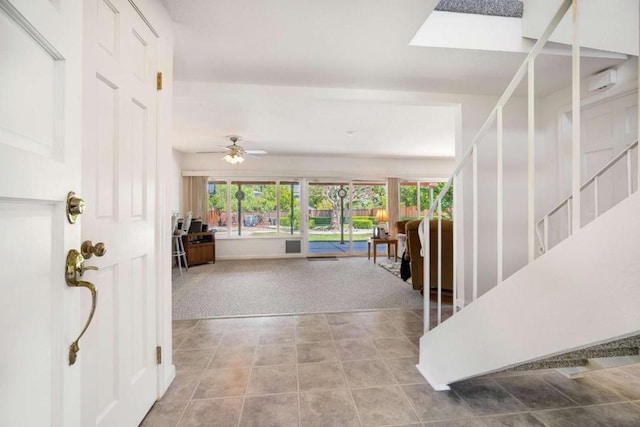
75	207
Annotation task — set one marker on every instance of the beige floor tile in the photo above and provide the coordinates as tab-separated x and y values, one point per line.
621	382
164	414
409	327
432	405
317	352
277	335
395	347
272	379
183	325
212	413
382	406
178	336
313	334
415	340
192	359
381	330
347	332
404	370
321	376
240	338
227	357
200	340
275	354
270	411
328	408
356	349
367	373
182	387
222	383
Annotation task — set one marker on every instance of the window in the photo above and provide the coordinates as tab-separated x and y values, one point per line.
254	208
289	207
412	207
218	209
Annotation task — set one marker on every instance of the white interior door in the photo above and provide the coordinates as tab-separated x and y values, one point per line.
119	377
40	126
607	128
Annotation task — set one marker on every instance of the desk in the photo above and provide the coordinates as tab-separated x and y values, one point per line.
388	242
200	247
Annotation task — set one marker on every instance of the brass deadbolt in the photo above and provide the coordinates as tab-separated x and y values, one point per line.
75	207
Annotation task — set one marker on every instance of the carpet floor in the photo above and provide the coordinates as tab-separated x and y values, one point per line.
288	286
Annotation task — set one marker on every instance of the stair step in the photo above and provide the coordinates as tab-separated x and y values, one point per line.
548	364
506	8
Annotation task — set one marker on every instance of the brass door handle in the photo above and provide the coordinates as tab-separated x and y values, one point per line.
75	268
74	348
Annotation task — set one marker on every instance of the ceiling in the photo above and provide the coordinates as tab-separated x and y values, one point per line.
361	44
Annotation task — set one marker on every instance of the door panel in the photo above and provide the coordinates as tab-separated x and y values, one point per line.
607	128
29	304
120	376
40	119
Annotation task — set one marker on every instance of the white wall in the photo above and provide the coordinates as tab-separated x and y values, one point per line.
603	25
173	178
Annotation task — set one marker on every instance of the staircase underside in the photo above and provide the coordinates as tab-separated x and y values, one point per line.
507	8
617	348
563	309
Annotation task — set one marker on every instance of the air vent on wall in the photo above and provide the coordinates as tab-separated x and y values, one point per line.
292	246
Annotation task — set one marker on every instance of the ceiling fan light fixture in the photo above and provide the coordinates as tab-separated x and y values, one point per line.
233	158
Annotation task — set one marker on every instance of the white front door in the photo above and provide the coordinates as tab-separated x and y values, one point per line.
40	132
119	375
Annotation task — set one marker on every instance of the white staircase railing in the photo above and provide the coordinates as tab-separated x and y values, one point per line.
471	155
469	160
543	223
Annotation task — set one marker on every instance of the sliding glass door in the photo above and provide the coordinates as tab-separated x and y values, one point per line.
328	224
342	216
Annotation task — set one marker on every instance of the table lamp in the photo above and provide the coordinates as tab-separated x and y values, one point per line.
381	218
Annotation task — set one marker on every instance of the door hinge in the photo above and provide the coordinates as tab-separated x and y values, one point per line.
159	355
159	81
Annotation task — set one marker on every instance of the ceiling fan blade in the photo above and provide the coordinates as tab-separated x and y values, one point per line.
211	152
257	151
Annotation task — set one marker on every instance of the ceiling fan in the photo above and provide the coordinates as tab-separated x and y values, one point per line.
236	153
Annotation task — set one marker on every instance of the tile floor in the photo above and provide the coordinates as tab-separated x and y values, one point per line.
358	369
